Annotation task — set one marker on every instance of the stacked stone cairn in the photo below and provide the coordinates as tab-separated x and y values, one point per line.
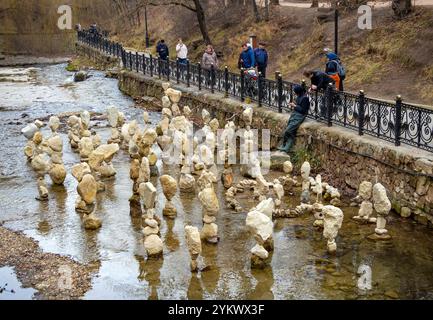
261	226
152	240
333	220
169	188
87	189
210	205
382	206
366	208
193	241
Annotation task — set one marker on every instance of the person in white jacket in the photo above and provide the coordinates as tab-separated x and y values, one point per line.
182	52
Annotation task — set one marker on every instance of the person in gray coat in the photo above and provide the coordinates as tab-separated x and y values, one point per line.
208	60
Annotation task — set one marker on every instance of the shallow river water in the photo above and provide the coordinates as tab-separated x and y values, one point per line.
300	267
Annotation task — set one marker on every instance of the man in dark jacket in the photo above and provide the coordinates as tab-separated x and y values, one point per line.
162	50
246	58
261	56
297	117
319	79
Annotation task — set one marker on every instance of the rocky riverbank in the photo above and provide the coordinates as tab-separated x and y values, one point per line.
54	276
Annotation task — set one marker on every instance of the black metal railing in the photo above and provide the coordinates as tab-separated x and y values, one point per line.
396	122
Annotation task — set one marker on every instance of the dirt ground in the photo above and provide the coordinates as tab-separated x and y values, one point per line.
46	272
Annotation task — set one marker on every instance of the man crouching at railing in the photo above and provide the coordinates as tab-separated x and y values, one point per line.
297	117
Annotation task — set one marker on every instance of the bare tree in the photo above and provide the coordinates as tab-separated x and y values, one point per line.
256	11
191	5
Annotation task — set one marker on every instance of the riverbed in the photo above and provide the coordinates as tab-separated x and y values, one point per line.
400	268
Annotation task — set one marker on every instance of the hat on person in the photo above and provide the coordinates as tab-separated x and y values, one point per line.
298	89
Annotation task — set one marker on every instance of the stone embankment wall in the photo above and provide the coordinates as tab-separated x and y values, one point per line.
406	172
102	60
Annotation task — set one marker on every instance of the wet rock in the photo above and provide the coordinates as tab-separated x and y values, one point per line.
382	205
153	245
80	76
41	164
169	186
80	170
29	131
260	224
391	294
87	189
209	232
147	231
266	207
55	143
186	182
287	167
147	193
193	240
209	201
365	190
91	222
58	174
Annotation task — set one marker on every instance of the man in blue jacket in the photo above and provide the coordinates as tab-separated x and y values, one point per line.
246	59
261	56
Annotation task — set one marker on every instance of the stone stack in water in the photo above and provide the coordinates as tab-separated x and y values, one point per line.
333	220
152	241
382	206
169	188
116	120
87	189
366	208
193	241
37	152
55	143
261	226
228	154
210	207
305	175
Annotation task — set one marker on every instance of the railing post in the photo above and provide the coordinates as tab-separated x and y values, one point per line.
361	111
242	85
398	104
168	69
329	104
177	71
159	67
259	85
151	65
124	59
188	74
137	62
199	75
280	91
226	81
144	63
212	78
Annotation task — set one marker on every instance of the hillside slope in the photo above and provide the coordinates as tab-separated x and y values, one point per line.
392	58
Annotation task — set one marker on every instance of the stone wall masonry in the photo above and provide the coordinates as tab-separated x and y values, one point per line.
406	172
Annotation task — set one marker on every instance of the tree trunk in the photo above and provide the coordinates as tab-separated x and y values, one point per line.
315	4
401	8
202	21
275	2
267	10
256	11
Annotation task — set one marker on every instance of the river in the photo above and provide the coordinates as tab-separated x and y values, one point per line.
300	267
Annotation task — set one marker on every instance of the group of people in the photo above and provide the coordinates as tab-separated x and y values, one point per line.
251	60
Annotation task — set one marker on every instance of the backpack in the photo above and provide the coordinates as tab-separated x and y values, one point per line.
341	70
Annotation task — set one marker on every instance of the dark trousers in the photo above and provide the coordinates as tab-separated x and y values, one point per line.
289	135
182	61
262	70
